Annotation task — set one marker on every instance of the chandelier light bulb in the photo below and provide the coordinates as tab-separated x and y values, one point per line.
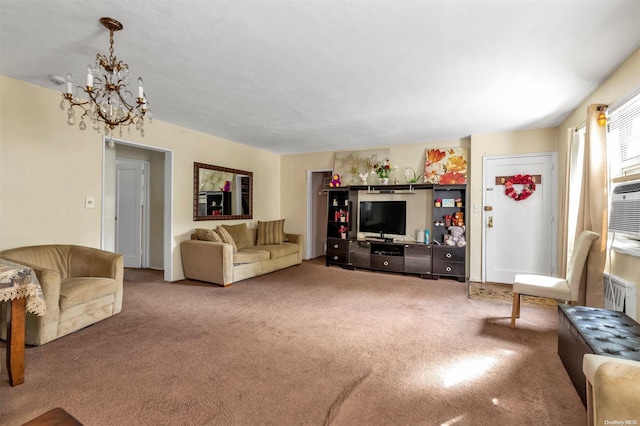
69	83
89	76
140	89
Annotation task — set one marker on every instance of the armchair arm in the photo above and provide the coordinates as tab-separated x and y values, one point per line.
42	328
93	262
613	388
207	261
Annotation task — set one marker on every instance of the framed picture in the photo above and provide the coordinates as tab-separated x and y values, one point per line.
446	166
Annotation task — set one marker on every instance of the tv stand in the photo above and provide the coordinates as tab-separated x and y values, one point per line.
379	253
407	258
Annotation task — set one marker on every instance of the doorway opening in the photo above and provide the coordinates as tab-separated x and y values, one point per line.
157	216
317	182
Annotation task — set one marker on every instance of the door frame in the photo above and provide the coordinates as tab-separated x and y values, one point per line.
145	198
554	205
310	210
168	200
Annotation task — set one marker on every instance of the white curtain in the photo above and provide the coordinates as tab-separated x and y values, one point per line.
593	206
574	188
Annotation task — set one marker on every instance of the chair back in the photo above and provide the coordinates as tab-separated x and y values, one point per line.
578	261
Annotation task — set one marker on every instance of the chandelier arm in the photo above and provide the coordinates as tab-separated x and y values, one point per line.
128	119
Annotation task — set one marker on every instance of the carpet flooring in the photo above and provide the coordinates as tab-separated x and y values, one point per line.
308	345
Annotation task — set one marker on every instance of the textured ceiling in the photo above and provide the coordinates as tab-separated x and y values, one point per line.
304	76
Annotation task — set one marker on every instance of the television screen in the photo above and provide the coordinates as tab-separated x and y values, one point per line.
383	217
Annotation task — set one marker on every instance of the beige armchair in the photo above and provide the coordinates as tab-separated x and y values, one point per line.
81	286
613	390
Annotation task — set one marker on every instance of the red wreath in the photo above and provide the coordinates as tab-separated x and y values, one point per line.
527	190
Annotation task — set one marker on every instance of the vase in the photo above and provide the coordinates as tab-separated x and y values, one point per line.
384	181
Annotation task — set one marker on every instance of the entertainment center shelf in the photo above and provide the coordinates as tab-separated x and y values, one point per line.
428	260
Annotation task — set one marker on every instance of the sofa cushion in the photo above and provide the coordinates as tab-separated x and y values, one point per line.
250	255
241	235
280	250
271	232
208	235
74	291
226	237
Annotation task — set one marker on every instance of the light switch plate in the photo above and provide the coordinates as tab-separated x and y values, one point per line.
89	202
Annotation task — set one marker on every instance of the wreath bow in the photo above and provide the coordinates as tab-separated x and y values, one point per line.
527	190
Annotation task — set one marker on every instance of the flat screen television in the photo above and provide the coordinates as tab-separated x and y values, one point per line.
383	217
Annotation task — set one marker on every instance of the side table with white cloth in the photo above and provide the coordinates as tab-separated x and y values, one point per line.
20	287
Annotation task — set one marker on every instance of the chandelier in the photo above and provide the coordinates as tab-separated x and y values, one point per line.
110	103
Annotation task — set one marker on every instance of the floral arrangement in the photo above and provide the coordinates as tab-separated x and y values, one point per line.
384	169
343	229
527	190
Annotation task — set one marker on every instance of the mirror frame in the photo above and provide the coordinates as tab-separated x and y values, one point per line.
196	192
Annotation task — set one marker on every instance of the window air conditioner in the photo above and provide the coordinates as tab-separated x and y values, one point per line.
624	217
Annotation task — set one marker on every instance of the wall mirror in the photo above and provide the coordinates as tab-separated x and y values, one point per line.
220	193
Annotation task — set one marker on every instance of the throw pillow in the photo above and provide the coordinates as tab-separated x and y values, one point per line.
226	237
271	232
241	235
207	235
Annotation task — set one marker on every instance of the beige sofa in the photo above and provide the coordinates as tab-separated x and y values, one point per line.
81	286
226	262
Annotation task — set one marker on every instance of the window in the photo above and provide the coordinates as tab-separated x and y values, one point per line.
623	146
623	138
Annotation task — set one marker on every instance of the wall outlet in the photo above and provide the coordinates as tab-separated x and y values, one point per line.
89	202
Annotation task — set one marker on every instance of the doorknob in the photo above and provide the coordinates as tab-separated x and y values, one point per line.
490	224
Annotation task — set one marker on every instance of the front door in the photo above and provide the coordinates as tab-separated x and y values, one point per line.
519	236
130	211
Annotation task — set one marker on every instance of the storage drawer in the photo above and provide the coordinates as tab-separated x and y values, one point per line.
448	254
360	260
387	263
337	245
417	265
448	268
337	257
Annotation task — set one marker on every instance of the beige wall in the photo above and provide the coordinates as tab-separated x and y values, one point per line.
47	168
622	83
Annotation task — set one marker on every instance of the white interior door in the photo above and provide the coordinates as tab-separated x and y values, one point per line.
130	211
519	236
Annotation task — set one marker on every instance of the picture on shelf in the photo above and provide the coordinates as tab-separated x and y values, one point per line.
356	167
446	166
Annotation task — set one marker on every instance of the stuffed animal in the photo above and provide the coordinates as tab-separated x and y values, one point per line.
458	219
457	236
335	181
